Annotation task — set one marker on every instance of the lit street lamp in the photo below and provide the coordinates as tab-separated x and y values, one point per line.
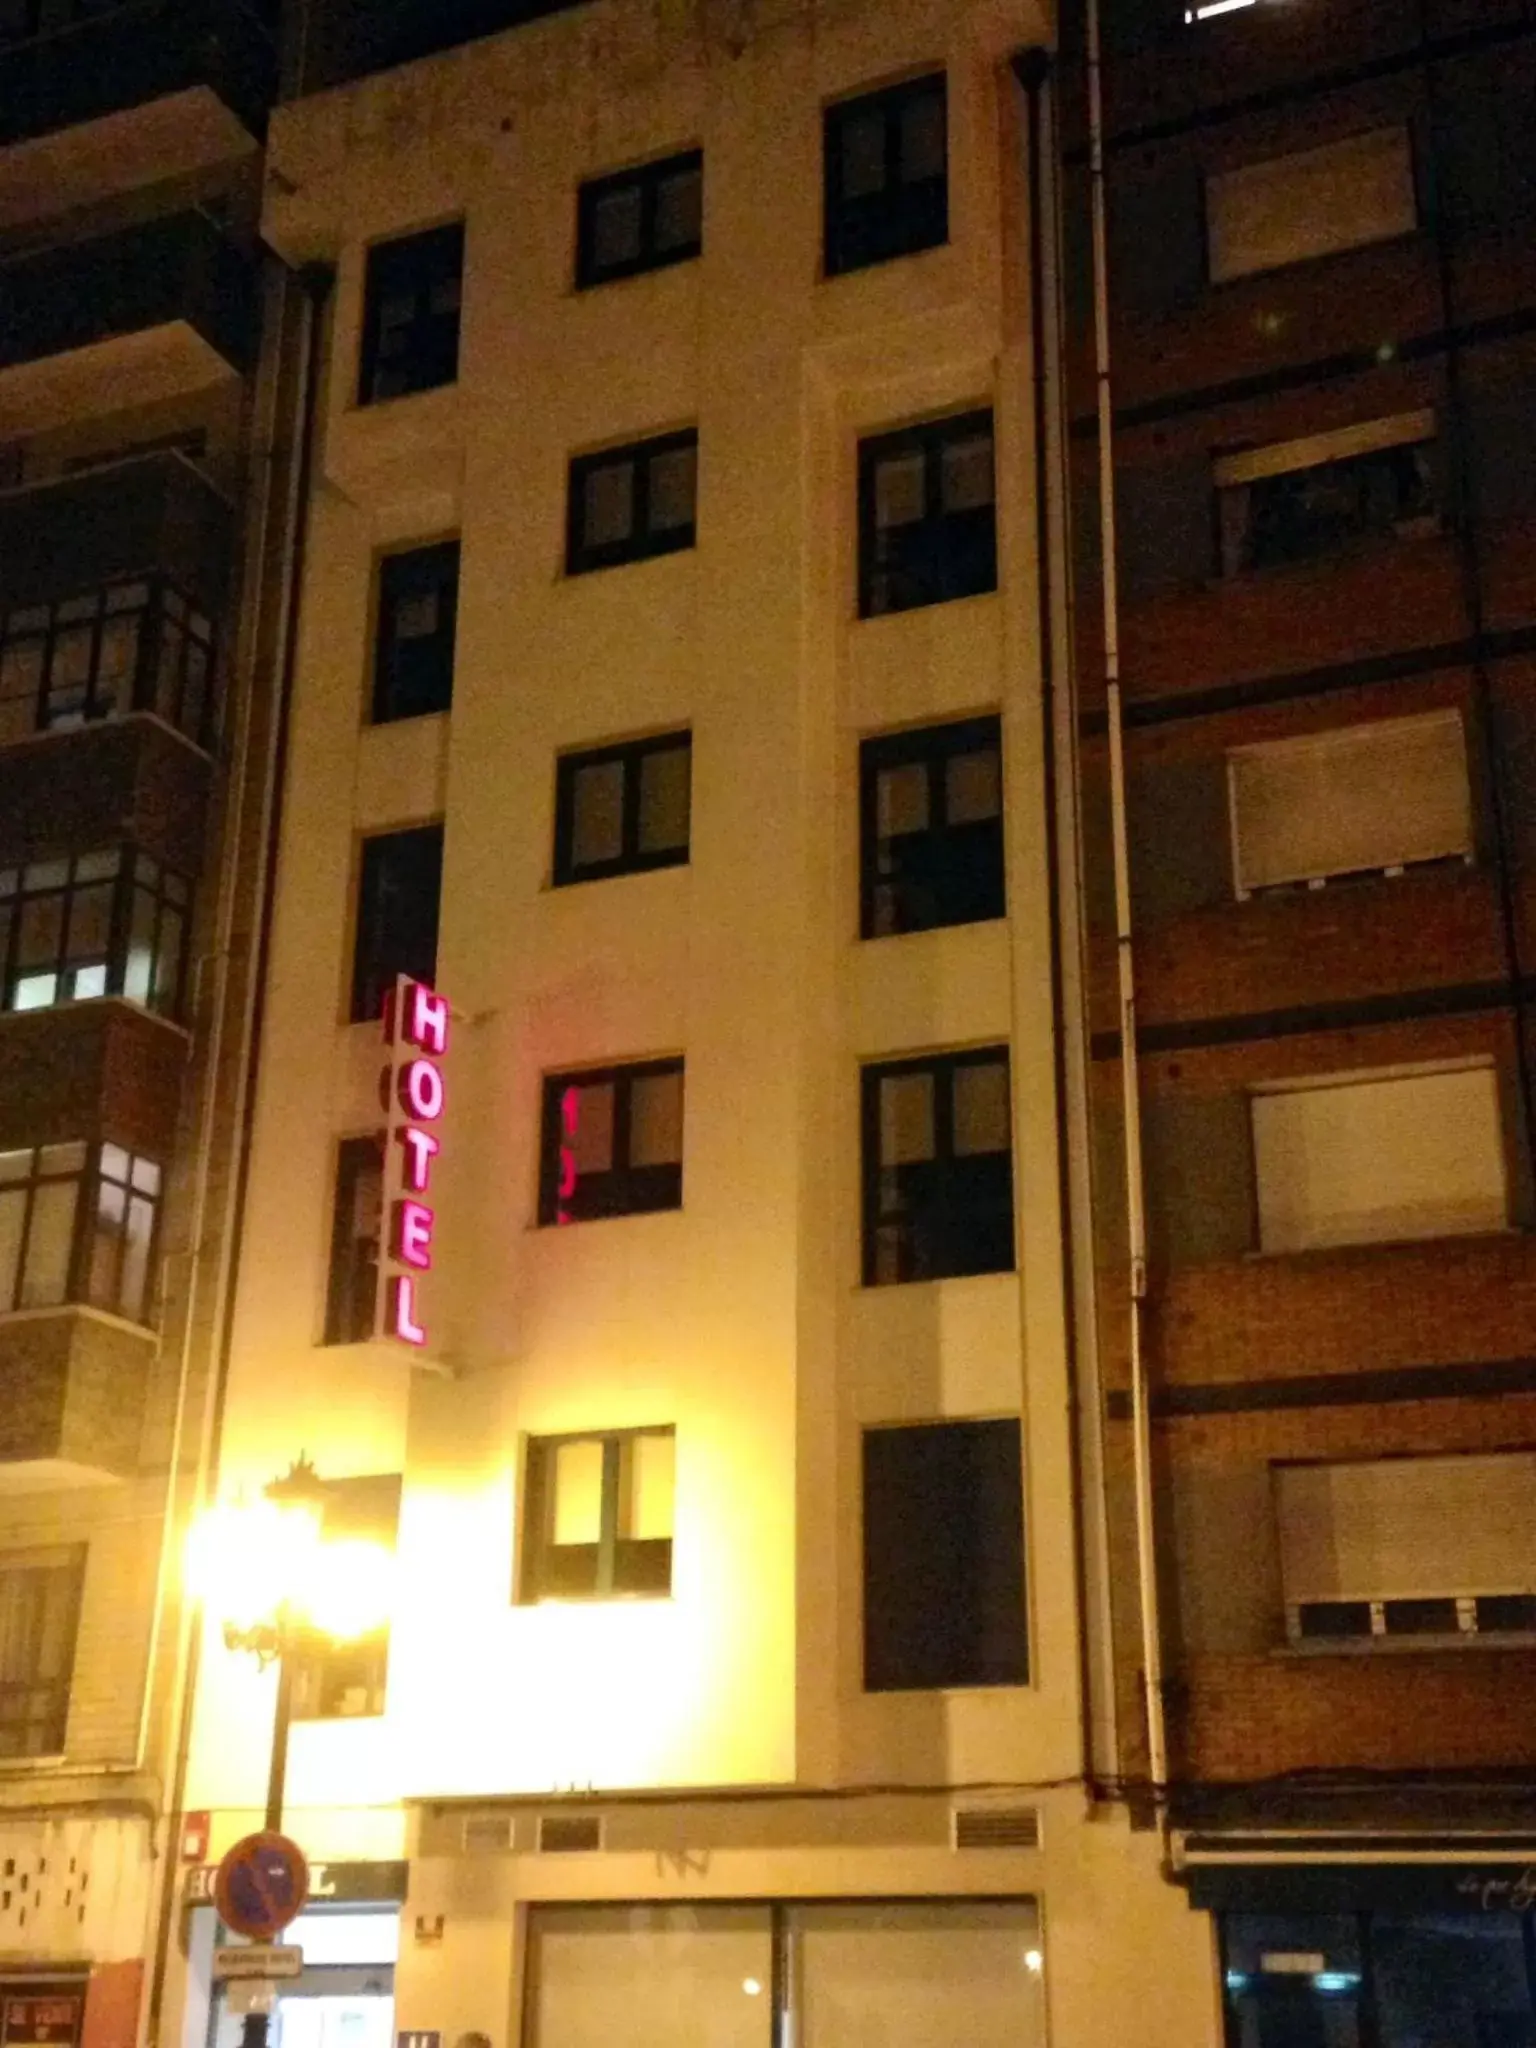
280	1587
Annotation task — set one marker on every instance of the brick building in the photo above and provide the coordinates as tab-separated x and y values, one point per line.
1321	324
130	308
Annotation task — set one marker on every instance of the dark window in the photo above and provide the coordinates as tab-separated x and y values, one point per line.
943	1557
639	220
39	1619
1419	1617
352	1284
1300	515
411	314
413	638
622	809
343	1680
938	1168
1316	1619
598	1522
397	902
887	182
629	503
612	1142
130	647
927	530
932	821
78	1224
97	924
1506	1613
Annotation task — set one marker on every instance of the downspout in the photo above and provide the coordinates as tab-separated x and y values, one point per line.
1135	1187
316	283
1058	716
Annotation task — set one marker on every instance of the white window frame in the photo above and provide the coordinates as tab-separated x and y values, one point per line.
1312	451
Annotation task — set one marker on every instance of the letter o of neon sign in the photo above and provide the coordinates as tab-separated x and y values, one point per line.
421	1091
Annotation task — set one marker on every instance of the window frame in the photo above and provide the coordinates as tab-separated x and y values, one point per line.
632	859
348	1285
642	543
373	975
394	585
1269	266
932	747
65	1564
928	437
876	1216
1242	469
661	1197
892	1603
413	256
647	179
161	678
539	1468
135	874
861	233
88	1177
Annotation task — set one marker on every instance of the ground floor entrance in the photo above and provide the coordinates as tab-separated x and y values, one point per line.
345	1997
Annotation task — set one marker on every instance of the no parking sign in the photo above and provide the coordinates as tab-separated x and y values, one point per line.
261	1885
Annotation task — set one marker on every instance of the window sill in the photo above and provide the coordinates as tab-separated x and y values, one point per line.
20	1766
105	1316
58	735
88	1004
1484	1234
1397	1646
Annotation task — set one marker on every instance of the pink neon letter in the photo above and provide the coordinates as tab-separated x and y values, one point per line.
570	1110
420	1149
402	1310
427	1023
421	1091
412	1235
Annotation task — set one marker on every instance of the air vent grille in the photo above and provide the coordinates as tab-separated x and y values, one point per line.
996	1827
565	1834
487	1834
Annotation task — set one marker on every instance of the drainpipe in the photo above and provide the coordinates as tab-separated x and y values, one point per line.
1135	1185
1032	69
315	282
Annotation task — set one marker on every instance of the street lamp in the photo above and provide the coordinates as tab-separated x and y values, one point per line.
279	1586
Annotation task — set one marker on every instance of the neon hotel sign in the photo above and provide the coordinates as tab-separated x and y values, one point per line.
416	1037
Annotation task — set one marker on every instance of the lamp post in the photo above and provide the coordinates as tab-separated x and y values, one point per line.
278	1585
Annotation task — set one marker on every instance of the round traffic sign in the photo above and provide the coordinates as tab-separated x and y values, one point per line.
261	1885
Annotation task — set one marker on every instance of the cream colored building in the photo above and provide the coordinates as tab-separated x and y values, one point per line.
711	1764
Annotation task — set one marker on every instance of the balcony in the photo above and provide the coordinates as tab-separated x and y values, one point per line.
152	515
145	92
126	778
72	1387
150	313
85	1070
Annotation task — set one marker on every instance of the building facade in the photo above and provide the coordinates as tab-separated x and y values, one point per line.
671	697
1320	305
130	301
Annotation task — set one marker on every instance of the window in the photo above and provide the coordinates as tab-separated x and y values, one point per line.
622	809
1360	799
1361	1159
627	504
887	180
351	1295
94	924
938	1168
642	219
932	827
1313	203
39	1619
1393	1547
333	1679
397	903
613	1142
129	647
598	1523
411	314
1300	501
927	530
944	1556
78	1224
903	1973
413	637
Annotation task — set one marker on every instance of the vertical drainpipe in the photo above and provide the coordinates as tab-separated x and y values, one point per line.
1032	68
1135	1186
